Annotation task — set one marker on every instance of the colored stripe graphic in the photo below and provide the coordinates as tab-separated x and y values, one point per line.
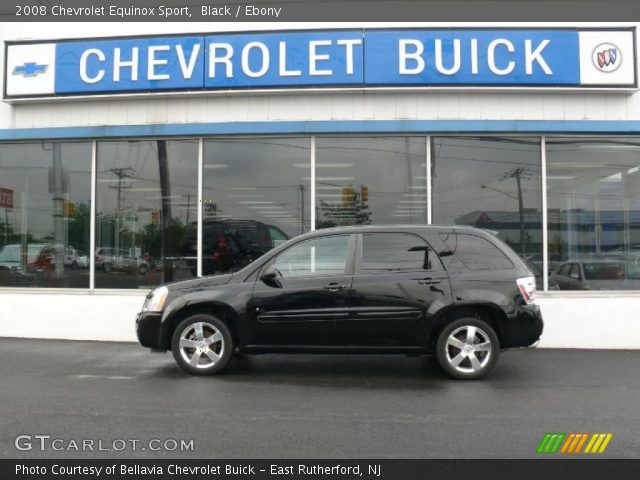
573	443
550	443
598	443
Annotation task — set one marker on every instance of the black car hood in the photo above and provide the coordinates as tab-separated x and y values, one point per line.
198	283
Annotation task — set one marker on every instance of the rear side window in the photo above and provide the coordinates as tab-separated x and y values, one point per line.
475	252
396	252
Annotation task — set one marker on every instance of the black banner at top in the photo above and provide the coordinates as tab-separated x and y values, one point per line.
321	11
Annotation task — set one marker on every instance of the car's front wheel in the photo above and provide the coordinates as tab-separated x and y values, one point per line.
467	348
202	344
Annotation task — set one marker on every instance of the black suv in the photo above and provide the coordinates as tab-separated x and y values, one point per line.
456	292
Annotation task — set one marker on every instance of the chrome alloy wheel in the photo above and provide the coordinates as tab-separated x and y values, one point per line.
468	349
201	345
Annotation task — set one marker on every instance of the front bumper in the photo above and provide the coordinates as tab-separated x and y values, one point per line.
523	327
148	330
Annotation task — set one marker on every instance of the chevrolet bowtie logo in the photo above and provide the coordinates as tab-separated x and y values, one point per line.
29	69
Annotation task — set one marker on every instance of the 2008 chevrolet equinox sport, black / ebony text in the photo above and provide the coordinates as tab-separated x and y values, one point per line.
456	292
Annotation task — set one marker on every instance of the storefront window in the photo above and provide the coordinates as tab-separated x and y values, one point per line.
146	212
491	183
256	195
593	191
370	180
45	206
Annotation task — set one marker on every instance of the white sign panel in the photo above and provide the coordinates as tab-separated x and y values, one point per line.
606	58
31	69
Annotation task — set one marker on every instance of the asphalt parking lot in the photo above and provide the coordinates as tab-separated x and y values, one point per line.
312	406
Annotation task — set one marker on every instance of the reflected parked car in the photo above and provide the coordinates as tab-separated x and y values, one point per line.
10	255
73	259
110	260
537	272
45	260
229	245
596	274
82	259
11	272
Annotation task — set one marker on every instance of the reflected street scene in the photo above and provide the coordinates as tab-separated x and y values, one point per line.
256	195
146	203
45	206
593	190
370	180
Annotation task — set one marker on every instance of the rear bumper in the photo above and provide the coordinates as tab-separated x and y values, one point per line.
148	330
523	328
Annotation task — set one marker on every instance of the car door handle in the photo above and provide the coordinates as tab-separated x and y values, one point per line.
428	281
334	287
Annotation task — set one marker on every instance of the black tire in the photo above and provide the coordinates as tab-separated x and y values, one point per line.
107	267
209	360
143	269
448	352
74	265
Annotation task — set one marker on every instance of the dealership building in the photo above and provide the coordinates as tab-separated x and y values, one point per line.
136	154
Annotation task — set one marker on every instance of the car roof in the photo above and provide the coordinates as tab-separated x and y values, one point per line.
396	228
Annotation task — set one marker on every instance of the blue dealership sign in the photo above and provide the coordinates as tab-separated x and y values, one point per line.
363	58
284	59
145	64
473	57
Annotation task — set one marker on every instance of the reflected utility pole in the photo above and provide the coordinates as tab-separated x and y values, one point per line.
165	221
517	173
120	173
57	188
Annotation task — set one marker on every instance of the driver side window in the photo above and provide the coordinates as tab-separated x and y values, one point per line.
314	258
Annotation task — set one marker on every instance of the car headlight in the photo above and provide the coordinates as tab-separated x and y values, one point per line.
155	302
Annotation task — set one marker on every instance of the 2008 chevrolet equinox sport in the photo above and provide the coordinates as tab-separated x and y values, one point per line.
456	292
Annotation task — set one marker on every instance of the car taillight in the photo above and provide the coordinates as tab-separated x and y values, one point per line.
527	287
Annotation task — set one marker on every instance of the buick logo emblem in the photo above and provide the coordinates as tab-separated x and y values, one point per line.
606	57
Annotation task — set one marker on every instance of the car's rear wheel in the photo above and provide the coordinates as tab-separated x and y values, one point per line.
107	267
467	348
202	344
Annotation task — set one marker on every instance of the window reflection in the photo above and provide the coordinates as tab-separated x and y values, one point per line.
387	252
256	195
146	199
593	190
491	183
44	214
370	180
319	257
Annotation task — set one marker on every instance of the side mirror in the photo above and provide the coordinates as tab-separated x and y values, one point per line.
269	274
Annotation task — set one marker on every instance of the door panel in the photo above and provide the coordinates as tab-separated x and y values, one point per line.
398	281
311	291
